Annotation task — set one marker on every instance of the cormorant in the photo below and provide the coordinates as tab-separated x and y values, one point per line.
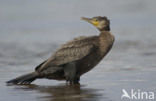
74	58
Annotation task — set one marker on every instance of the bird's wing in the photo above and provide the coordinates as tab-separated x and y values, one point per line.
71	51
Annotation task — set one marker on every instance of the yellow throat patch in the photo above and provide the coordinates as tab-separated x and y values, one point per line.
95	23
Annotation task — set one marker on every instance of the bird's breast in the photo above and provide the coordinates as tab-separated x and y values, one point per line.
88	62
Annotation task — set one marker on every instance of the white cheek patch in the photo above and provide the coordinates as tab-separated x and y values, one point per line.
101	24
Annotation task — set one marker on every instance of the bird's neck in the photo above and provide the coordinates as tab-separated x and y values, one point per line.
105	34
106	40
107	28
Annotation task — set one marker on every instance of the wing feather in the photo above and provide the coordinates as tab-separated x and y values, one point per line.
71	51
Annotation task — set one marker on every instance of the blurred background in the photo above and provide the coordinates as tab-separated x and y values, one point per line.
31	30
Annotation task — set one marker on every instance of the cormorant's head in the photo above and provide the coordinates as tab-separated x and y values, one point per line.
101	23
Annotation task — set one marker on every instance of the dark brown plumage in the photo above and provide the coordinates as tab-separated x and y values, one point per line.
74	58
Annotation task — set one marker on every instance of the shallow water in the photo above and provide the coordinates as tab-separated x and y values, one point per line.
30	31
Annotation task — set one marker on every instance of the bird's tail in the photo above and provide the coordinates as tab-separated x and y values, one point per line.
24	79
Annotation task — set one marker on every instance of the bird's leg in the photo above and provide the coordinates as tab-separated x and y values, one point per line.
76	80
70	72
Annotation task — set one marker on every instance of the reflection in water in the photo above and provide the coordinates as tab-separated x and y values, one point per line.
64	92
